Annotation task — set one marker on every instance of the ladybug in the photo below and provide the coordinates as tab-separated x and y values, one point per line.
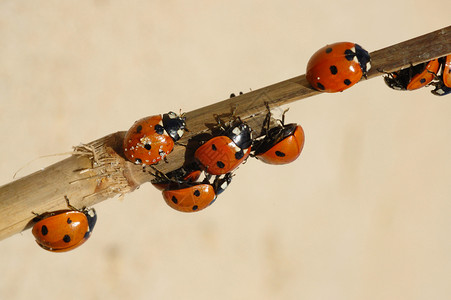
151	139
414	77
64	230
337	67
443	84
227	150
195	196
281	144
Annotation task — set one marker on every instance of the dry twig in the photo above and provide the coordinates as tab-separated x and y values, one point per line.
98	171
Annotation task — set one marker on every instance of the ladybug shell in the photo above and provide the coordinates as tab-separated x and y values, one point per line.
220	155
190	198
64	230
286	150
337	67
147	142
425	77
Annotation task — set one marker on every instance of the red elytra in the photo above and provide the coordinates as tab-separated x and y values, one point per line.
337	67
146	142
220	155
283	151
422	79
190	198
64	230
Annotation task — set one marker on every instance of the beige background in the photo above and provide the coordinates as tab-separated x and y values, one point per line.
363	214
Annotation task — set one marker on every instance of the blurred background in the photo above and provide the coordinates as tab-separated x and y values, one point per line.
364	213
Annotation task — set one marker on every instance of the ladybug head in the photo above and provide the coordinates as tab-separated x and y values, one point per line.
241	135
92	219
441	89
221	182
174	125
364	58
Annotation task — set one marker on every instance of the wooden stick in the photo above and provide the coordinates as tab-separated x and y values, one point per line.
98	171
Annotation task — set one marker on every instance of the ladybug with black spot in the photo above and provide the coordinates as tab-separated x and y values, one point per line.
187	196
443	83
64	230
337	67
281	144
230	146
414	77
151	139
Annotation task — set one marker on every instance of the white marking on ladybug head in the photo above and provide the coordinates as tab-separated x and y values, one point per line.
236	131
440	91
91	212
172	115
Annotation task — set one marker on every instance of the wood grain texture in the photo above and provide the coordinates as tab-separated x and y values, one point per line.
97	171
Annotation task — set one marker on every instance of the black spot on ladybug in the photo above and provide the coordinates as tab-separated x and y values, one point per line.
173	199
66	238
147	146
280	154
139	128
138	161
333	70
195	207
347	81
239	154
328	50
349	55
220	164
320	86
69	221
196	193
44	230
213	147
422	80
159	129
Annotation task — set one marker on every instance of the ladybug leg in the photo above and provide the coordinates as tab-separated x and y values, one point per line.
68	203
180	144
158	173
283	116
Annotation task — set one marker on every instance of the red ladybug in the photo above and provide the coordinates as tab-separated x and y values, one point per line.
195	196
281	144
64	230
150	139
414	77
337	67
227	150
443	84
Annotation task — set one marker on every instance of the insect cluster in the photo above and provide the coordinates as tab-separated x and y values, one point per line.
436	72
196	185
216	156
